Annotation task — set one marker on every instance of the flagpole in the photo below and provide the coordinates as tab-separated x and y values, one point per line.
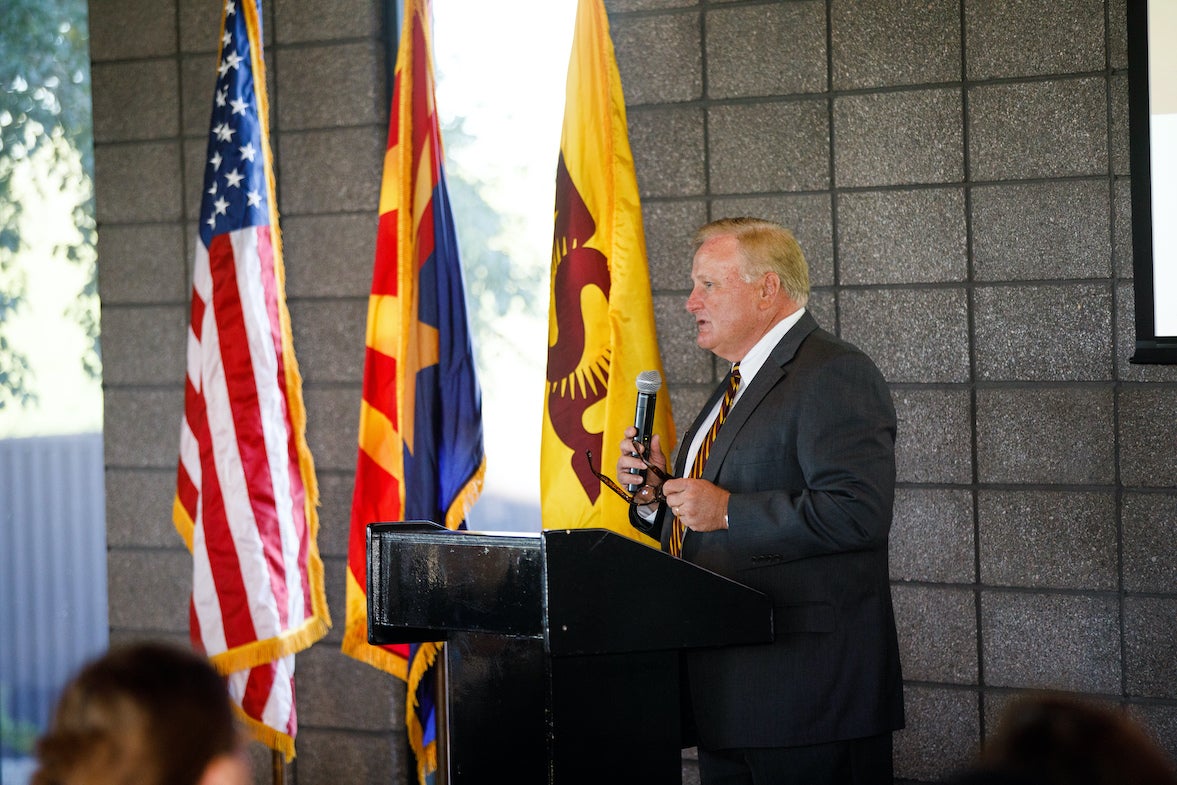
443	731
278	767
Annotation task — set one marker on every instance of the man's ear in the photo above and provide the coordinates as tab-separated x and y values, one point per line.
770	287
228	769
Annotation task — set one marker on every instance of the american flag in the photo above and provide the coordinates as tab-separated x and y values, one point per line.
246	492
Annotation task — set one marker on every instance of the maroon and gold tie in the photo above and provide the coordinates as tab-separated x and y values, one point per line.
678	531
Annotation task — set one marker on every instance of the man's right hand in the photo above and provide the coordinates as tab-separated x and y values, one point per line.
627	461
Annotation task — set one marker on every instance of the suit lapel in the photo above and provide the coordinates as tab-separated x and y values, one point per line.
769	375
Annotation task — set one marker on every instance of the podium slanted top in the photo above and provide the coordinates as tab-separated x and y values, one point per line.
583	591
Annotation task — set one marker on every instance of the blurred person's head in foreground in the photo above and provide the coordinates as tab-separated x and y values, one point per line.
144	714
1048	739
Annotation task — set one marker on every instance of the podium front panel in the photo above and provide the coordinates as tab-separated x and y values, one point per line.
425	582
515	714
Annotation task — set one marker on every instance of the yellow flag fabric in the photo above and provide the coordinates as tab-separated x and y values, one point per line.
601	331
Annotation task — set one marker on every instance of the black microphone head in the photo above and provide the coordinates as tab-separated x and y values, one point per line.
649	382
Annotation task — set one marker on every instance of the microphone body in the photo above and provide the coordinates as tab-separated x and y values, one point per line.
648	384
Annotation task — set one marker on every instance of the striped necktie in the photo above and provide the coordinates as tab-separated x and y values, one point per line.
678	531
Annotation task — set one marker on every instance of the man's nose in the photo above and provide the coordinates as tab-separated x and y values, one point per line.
694	302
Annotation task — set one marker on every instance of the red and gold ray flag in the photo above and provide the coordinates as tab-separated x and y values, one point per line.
601	332
246	493
420	437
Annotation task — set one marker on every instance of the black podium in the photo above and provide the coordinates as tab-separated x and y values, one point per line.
562	647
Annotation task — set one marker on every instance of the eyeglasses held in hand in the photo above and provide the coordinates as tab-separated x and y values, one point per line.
646	494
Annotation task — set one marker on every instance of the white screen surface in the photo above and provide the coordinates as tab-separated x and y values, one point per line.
1162	96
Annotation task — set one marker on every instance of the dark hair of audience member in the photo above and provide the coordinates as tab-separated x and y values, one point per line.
149	714
1060	740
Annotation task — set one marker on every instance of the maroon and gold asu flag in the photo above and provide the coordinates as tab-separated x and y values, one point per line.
601	331
420	436
246	494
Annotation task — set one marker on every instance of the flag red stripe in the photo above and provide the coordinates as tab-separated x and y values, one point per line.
194	630
247	421
228	581
187	492
377	499
246	407
301	529
257	689
186	489
380	383
384	280
197	320
425	241
423	120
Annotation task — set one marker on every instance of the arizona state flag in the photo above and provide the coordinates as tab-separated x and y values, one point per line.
601	332
420	436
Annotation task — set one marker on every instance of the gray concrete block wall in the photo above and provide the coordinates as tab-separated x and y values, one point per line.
957	173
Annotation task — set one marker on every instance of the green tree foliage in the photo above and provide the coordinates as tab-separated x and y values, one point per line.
44	120
497	286
19	736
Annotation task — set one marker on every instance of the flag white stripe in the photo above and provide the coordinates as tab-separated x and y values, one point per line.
274	413
190	453
280	702
205	604
193	367
234	490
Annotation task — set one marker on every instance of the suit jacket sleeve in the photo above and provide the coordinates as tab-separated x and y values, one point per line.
652	527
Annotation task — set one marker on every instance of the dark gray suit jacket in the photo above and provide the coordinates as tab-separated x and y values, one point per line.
807	453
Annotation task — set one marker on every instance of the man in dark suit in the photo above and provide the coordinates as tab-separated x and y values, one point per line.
794	499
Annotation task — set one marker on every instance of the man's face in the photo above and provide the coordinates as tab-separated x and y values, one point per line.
726	309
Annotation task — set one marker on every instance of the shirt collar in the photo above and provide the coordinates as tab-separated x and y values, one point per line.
756	356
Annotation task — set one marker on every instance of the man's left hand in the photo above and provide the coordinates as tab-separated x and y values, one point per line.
700	505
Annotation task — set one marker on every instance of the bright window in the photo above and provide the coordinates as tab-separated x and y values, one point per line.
500	94
52	524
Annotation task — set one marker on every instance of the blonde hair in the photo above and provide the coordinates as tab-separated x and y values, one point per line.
765	247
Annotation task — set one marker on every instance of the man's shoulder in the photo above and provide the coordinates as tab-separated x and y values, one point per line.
820	351
821	343
808	343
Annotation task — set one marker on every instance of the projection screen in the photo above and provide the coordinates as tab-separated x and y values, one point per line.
1152	96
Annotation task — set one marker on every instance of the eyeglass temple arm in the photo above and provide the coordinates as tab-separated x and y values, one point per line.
659	472
608	481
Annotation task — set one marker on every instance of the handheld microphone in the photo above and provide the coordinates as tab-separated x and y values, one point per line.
648	384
